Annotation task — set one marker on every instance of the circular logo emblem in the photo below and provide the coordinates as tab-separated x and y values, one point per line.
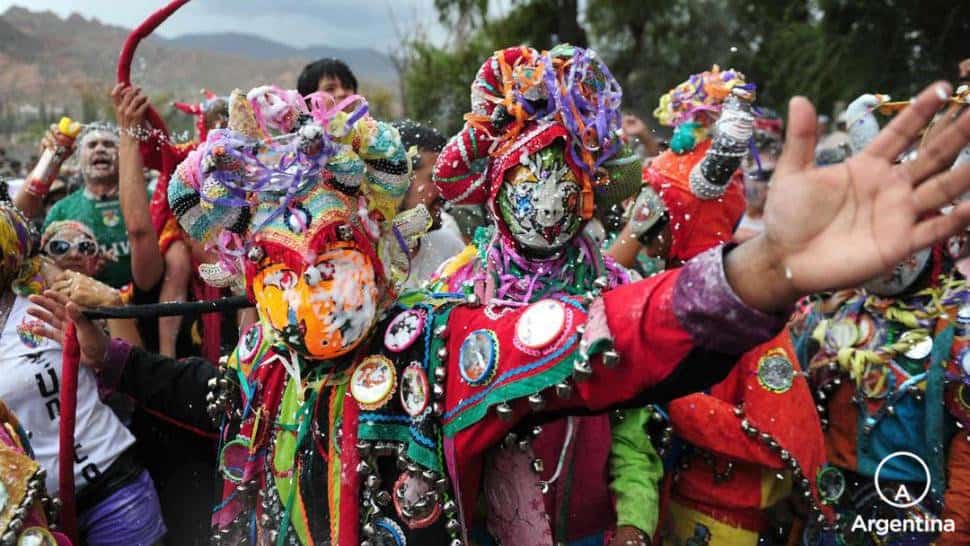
251	343
901	496
414	390
775	372
831	484
843	334
373	382
27	337
921	349
404	330
541	324
478	356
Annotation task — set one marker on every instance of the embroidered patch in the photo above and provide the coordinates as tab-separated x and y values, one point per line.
921	349
541	324
416	500
478	357
110	217
775	371
843	334
373	382
252	341
415	392
404	330
831	484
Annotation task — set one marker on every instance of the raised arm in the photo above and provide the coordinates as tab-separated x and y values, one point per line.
147	264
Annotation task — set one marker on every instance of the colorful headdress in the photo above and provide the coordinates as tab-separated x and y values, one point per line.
200	110
286	181
523	100
56	227
18	265
701	93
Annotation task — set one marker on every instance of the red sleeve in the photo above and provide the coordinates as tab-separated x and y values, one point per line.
956	500
711	424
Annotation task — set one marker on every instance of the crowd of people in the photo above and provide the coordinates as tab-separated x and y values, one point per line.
550	328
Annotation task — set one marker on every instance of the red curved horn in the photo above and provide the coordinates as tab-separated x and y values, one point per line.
128	52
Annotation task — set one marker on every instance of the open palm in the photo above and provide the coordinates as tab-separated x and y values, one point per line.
838	226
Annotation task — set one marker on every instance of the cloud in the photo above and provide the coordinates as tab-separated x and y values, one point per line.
299	23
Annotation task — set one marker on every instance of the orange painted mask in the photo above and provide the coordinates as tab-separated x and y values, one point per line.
323	311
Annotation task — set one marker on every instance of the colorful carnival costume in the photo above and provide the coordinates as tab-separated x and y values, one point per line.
738	448
351	416
889	377
24	504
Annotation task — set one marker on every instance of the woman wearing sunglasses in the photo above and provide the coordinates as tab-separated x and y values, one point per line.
73	247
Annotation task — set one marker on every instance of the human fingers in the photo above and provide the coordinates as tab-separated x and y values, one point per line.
937	228
905	127
45	315
799	151
941	189
939	151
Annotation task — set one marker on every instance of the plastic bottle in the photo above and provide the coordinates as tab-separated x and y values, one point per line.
40	179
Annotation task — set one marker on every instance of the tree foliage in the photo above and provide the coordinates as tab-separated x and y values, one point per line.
827	50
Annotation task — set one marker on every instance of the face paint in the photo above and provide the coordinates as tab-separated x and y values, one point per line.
901	277
323	311
539	201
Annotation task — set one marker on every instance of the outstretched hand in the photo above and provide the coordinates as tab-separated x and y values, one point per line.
54	310
841	225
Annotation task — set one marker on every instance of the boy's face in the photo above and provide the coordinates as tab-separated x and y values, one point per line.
422	190
333	87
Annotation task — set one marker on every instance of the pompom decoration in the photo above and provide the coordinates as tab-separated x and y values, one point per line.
701	94
290	179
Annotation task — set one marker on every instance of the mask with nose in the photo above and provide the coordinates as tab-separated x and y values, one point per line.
539	201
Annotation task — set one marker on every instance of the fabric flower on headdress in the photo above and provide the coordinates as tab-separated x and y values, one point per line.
523	100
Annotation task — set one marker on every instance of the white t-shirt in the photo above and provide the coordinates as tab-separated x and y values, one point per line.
436	247
30	381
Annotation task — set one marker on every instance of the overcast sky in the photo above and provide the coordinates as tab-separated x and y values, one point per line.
341	23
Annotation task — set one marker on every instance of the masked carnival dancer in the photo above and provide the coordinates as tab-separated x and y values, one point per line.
889	363
736	449
329	436
26	511
547	481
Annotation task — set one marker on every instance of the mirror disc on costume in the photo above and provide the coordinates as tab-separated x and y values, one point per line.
404	330
964	361
843	334
415	500
36	536
775	372
414	390
541	324
233	458
4	497
388	533
252	341
831	484
921	349
373	382
478	357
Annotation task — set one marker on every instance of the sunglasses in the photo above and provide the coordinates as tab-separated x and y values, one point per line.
60	247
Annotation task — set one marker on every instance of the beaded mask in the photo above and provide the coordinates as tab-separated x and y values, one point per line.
539	201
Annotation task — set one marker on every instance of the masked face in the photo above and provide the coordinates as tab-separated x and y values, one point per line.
539	202
901	277
324	311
